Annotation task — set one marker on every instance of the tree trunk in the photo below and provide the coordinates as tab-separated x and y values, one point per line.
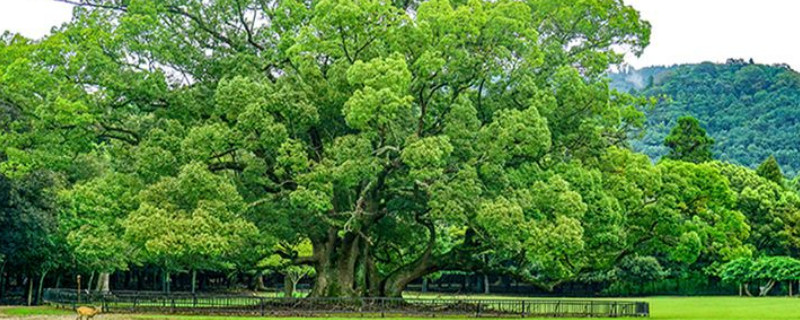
41	283
30	290
89	283
790	287
345	268
740	289
396	282
294	285
372	276
747	290
287	287
486	284
128	279
424	284
103	282
764	290
194	280
2	280
158	282
258	281
167	282
335	265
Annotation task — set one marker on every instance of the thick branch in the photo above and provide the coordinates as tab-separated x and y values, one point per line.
246	27
133	135
228	165
397	280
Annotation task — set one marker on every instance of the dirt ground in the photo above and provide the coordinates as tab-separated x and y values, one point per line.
64	317
61	315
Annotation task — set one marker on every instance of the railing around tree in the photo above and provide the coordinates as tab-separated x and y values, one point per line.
187	303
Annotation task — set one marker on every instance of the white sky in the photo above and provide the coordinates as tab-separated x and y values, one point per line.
684	31
32	18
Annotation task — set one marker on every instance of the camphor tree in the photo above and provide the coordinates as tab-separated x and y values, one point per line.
398	138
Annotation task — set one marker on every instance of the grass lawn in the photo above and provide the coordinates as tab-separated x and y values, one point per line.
662	308
733	308
18	311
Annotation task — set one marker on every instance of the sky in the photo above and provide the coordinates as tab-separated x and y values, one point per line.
684	31
688	31
32	18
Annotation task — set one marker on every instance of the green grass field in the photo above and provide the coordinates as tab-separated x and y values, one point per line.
662	308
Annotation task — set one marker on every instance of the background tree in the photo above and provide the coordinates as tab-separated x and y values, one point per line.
689	142
770	170
283	264
29	239
772	270
739	272
92	215
771	210
635	272
769	270
190	222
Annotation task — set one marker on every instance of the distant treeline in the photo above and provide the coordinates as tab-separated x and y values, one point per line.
751	110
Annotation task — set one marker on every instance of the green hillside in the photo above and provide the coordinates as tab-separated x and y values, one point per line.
751	110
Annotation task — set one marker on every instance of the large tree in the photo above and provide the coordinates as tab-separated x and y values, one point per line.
399	138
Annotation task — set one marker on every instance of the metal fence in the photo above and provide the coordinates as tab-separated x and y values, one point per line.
187	303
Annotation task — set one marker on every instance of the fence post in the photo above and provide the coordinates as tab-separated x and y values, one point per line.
523	308
79	289
478	309
262	305
613	309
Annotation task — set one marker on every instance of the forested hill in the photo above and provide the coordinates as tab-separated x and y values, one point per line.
751	110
